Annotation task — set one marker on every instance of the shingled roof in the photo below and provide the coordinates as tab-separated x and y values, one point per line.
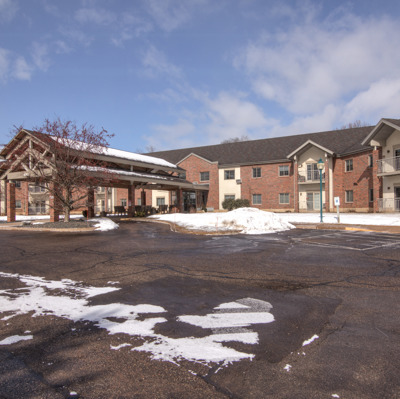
340	142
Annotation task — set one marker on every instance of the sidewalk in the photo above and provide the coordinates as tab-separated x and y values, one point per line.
349	227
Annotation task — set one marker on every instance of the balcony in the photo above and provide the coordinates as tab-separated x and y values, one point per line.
310	177
389	166
389	204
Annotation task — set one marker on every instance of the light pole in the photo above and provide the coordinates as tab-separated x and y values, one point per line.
320	166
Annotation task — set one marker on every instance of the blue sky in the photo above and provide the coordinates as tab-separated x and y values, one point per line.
179	73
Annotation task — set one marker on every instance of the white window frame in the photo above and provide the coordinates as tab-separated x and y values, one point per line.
228	173
256	203
284	195
349	165
207	174
257	173
229	196
284	170
347	194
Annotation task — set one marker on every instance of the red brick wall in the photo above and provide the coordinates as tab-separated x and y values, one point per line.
193	166
269	185
360	180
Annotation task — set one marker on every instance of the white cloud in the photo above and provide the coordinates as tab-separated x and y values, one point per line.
4	64
22	70
156	64
129	27
171	14
317	63
96	15
40	56
8	9
232	116
380	100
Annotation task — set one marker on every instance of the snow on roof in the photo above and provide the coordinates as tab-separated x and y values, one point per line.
112	152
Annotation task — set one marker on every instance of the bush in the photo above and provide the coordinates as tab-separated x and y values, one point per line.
231	204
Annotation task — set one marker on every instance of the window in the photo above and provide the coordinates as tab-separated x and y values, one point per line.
371	195
160	201
256	172
370	161
139	201
284	170
349	165
312	171
123	202
182	175
18	204
36	188
229	197
256	199
229	174
17	183
204	176
349	195
284	198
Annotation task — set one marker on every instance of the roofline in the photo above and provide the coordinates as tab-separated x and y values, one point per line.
198	156
376	129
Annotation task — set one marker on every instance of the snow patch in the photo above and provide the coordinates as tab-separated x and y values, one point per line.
287	367
15	338
104	224
308	341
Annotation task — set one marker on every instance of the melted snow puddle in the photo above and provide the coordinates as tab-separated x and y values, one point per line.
228	322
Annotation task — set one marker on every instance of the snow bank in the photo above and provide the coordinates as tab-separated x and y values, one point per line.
104	224
244	220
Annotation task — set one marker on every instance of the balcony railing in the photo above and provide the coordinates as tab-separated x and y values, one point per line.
389	204
389	165
310	177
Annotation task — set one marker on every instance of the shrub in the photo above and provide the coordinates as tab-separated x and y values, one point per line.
231	204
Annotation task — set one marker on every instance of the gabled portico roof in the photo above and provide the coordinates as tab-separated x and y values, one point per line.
381	132
306	146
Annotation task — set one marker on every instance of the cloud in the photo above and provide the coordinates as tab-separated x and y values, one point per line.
231	115
171	14
8	9
95	15
13	66
129	27
156	64
316	63
40	56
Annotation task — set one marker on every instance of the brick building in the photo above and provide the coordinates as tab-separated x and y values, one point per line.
281	174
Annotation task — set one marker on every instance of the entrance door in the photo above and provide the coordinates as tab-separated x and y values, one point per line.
189	201
313	201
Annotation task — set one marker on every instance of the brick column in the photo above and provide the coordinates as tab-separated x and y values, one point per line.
10	202
131	201
143	197
377	181
90	203
25	197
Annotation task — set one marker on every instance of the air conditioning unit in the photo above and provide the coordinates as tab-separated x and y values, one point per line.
239	181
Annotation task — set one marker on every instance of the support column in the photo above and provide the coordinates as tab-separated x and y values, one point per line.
296	186
25	197
179	199
143	197
90	203
377	181
10	202
327	195
131	201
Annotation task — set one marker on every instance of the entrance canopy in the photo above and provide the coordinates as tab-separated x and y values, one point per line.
119	168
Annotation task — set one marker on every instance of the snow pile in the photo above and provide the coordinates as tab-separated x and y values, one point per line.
244	220
104	224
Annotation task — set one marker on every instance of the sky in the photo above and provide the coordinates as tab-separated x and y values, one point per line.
166	74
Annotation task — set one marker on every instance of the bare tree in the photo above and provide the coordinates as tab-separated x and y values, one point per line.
66	166
236	139
354	124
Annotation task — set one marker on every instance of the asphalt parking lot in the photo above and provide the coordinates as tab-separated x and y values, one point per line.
143	312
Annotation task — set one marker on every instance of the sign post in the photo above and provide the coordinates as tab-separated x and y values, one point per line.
337	203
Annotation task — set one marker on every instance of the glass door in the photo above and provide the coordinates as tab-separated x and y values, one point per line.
313	201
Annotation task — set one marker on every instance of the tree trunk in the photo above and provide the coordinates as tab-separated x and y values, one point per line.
66	214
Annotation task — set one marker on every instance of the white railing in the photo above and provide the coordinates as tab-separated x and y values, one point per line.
389	165
310	176
389	204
